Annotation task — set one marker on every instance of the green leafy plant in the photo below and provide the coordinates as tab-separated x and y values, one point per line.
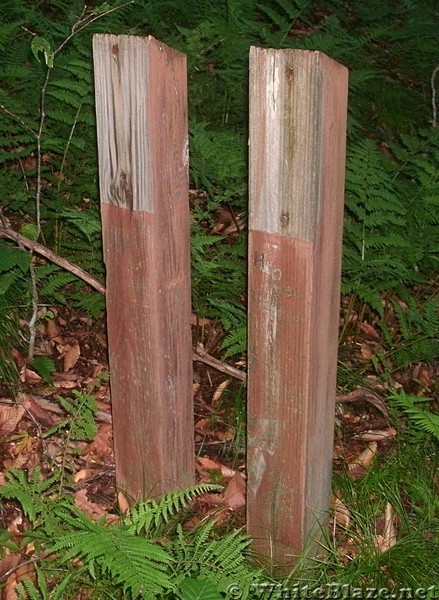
135	558
415	338
420	419
80	423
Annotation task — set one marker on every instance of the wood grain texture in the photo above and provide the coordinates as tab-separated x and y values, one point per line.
298	106
141	105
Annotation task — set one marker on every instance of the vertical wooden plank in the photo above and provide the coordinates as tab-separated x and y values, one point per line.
298	106
141	110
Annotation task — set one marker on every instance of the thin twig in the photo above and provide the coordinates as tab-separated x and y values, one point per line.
30	561
433	96
33	320
80	24
39	151
83	22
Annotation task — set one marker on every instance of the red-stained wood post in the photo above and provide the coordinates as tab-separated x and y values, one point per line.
298	107
141	111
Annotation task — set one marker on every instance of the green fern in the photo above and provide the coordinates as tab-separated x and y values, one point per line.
217	159
91	303
139	566
283	15
81	421
87	223
222	562
423	420
416	336
234	321
52	281
148	517
44	366
40	589
83	554
30	493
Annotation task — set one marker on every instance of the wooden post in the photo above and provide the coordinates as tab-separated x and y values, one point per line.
298	105
141	110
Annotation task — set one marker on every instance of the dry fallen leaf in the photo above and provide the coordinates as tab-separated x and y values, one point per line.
365	458
342	515
369	330
219	391
30	377
82	474
52	329
209	464
359	466
123	503
19	359
94	511
7	563
102	444
387	539
227	472
10	416
366	352
376	435
38	407
71	354
226	435
234	494
201	322
18	573
211	499
65	385
202	425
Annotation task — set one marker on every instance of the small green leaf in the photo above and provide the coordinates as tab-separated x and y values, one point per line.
30	230
40	44
199	589
102	9
13	257
44	367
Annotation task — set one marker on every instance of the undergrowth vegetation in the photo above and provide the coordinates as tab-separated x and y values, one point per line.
49	194
47	128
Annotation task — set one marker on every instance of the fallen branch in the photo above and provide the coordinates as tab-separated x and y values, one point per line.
21	240
361	394
201	356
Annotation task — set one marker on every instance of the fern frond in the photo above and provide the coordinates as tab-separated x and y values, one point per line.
30	491
86	222
283	14
423	420
138	565
81	422
235	341
52	280
149	516
222	562
77	88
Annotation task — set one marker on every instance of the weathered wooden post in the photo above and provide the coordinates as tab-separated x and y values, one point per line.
298	105
141	110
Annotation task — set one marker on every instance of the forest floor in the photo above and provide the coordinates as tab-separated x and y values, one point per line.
32	432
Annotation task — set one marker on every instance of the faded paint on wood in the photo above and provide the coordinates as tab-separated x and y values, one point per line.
141	110
298	107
